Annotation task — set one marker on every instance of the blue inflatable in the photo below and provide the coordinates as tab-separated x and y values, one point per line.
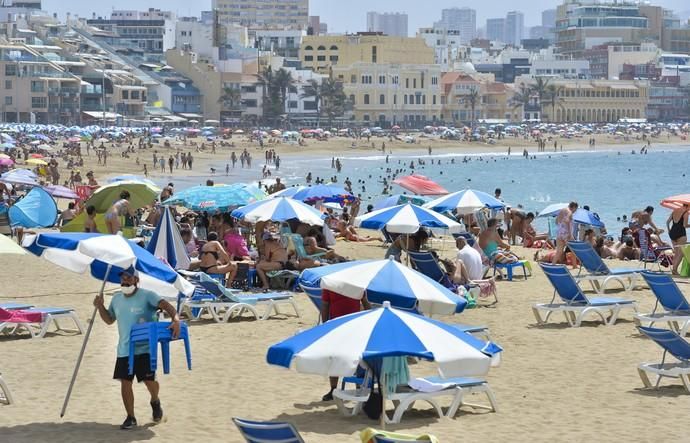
36	210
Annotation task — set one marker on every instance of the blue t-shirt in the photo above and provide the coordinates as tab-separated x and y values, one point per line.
138	308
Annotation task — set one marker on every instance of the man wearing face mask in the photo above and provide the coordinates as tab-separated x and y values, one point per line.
132	305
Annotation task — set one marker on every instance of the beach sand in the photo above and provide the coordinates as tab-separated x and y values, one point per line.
555	383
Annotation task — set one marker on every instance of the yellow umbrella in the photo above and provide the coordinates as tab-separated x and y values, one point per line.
4	156
36	162
7	246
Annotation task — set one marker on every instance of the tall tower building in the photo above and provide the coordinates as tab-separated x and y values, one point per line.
293	14
459	19
496	29
515	27
389	23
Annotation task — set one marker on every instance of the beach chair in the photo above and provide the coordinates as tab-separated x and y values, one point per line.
650	255
426	264
598	274
675	309
11	306
5	394
575	304
267	431
314	294
673	344
36	321
509	267
297	244
202	302
467	236
429	390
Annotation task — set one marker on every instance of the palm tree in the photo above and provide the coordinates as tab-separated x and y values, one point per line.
471	100
283	81
231	98
335	102
270	94
522	98
553	98
314	89
540	88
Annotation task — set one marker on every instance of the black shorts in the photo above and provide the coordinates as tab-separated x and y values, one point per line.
142	369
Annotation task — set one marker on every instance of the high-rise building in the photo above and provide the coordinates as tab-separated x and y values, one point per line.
548	18
459	19
314	27
388	23
515	27
264	13
496	29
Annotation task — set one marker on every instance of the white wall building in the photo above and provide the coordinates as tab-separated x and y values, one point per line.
496	29
447	45
463	20
515	28
389	23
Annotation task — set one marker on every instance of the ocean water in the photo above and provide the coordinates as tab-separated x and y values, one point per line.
612	183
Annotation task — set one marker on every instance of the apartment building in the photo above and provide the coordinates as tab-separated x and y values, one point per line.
293	14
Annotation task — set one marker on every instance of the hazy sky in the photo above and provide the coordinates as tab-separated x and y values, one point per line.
344	15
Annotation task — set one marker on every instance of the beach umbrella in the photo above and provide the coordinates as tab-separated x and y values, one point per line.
8	246
59	191
141	194
466	201
420	185
20	177
36	162
337	347
287	192
5	156
6	162
399	199
130	177
327	193
279	210
215	198
386	280
676	201
167	242
35	155
74	139
407	219
581	216
45	147
105	257
7	145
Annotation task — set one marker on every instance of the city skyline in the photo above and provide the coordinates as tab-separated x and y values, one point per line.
339	15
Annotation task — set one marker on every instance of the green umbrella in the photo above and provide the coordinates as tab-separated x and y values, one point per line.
141	194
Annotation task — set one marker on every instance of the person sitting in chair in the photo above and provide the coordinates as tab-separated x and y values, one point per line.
493	246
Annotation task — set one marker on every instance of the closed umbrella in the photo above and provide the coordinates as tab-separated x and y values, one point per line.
407	219
386	280
465	202
167	242
105	257
279	210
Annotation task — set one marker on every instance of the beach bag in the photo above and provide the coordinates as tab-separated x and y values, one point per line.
373	407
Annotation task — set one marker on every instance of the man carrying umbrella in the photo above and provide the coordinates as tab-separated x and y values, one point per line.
132	305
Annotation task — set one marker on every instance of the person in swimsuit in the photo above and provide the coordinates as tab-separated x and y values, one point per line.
274	258
214	259
118	209
90	222
348	232
490	240
564	231
640	219
530	235
677	224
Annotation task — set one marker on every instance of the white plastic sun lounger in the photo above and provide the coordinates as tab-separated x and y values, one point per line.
49	316
5	395
673	344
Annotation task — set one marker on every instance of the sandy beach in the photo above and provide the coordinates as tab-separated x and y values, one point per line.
555	382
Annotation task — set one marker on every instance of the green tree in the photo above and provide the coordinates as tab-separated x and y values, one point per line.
231	98
522	97
283	81
540	88
553	98
471	100
272	107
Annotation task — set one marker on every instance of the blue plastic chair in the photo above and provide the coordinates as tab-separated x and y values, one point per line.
509	268
673	344
574	301
597	269
154	333
467	236
676	309
267	431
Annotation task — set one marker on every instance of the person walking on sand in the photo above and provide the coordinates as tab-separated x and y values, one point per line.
564	231
132	305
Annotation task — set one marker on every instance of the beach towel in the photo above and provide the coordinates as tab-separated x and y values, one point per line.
20	316
397	372
367	436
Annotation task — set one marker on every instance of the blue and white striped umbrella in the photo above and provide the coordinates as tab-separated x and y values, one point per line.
167	242
336	347
96	253
20	177
279	210
581	216
465	202
287	192
407	219
386	280
399	199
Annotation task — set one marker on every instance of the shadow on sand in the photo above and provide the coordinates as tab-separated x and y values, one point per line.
73	432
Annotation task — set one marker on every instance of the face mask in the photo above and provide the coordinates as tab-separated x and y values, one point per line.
128	290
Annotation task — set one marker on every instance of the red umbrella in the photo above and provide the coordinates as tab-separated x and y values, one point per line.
35	156
420	185
676	201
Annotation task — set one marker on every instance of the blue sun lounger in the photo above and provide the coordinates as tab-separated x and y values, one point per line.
574	303
671	305
673	344
598	274
267	431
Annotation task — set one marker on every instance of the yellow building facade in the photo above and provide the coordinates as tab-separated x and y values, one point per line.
321	52
386	94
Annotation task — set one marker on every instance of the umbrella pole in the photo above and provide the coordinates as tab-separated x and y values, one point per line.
383	389
83	348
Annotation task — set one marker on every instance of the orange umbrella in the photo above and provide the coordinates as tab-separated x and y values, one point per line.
35	155
676	201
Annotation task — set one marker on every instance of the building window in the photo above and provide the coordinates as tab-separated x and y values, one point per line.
334	59
405	96
365	117
8	100
374	57
310	105
433	99
411	99
352	99
292	104
395	99
321	48
10	70
250	103
125	95
353	79
414	83
39	102
382	99
8	84
407	83
366	99
395	80
334	48
37	86
135	95
320	58
382	79
308	58
308	48
434	81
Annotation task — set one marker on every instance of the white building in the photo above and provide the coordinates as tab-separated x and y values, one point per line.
514	28
568	69
195	36
282	42
150	14
388	23
447	45
676	65
496	29
292	14
463	20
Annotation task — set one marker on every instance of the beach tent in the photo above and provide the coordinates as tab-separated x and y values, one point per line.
167	242
36	210
420	185
77	225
